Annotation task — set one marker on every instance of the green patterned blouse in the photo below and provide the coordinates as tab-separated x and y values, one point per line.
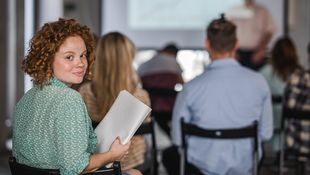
52	129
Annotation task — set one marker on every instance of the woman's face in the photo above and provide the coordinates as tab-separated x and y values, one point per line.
70	62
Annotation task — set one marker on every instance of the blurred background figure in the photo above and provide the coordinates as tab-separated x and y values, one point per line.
283	62
297	97
159	77
113	72
255	28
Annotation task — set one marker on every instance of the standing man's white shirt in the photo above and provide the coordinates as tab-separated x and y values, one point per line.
253	23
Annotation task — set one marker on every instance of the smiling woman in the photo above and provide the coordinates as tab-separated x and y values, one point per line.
70	62
52	129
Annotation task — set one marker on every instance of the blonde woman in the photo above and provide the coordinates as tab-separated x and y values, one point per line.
113	72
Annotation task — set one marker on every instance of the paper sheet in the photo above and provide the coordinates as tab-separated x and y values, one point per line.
123	119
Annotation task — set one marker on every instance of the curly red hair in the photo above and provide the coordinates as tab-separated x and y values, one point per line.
46	42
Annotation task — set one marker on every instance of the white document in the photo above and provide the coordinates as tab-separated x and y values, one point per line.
123	119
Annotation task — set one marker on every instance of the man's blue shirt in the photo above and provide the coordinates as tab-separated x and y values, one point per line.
226	95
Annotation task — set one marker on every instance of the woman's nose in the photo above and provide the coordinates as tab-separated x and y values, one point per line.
81	62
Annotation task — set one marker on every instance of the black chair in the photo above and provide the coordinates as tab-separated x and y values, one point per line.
188	129
276	99
287	154
148	128
20	169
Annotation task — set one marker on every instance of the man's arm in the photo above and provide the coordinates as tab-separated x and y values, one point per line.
180	110
266	123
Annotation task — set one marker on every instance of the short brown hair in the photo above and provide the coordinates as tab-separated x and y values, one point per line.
46	42
221	34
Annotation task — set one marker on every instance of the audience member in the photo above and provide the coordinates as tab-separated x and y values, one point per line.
255	28
226	95
164	61
162	72
114	72
51	128
297	96
284	61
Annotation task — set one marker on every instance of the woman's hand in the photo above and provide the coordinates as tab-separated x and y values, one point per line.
118	150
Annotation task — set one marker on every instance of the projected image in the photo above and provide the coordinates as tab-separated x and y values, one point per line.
175	14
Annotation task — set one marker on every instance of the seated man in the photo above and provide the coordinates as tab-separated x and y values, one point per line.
226	95
162	73
297	96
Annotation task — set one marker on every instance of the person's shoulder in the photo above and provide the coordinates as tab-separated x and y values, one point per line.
261	8
66	94
85	87
298	75
252	76
266	70
196	82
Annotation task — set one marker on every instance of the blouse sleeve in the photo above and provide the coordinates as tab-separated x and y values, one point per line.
73	135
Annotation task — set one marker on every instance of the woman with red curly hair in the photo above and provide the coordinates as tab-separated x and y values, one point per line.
52	129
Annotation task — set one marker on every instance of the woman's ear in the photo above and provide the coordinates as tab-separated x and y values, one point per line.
237	45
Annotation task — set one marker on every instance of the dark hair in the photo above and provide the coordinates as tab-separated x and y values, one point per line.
46	42
221	34
284	58
309	48
170	48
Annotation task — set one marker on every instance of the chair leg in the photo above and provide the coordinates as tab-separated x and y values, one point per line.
300	168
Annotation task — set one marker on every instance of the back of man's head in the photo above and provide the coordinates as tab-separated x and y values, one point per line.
221	35
170	48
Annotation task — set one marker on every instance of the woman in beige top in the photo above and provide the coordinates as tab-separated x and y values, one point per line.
113	72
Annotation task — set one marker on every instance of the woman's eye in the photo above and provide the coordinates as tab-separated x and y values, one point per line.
83	56
70	57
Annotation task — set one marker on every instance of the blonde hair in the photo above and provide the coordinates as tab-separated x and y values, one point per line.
113	69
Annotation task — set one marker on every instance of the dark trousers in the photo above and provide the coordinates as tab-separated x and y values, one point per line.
245	59
171	161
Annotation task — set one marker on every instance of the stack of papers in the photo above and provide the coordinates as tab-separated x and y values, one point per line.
123	119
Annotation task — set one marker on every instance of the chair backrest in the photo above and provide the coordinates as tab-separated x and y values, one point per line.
148	128
295	115
276	99
20	169
162	99
188	129
115	169
161	86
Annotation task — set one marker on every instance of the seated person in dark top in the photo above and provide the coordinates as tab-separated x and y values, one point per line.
162	73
